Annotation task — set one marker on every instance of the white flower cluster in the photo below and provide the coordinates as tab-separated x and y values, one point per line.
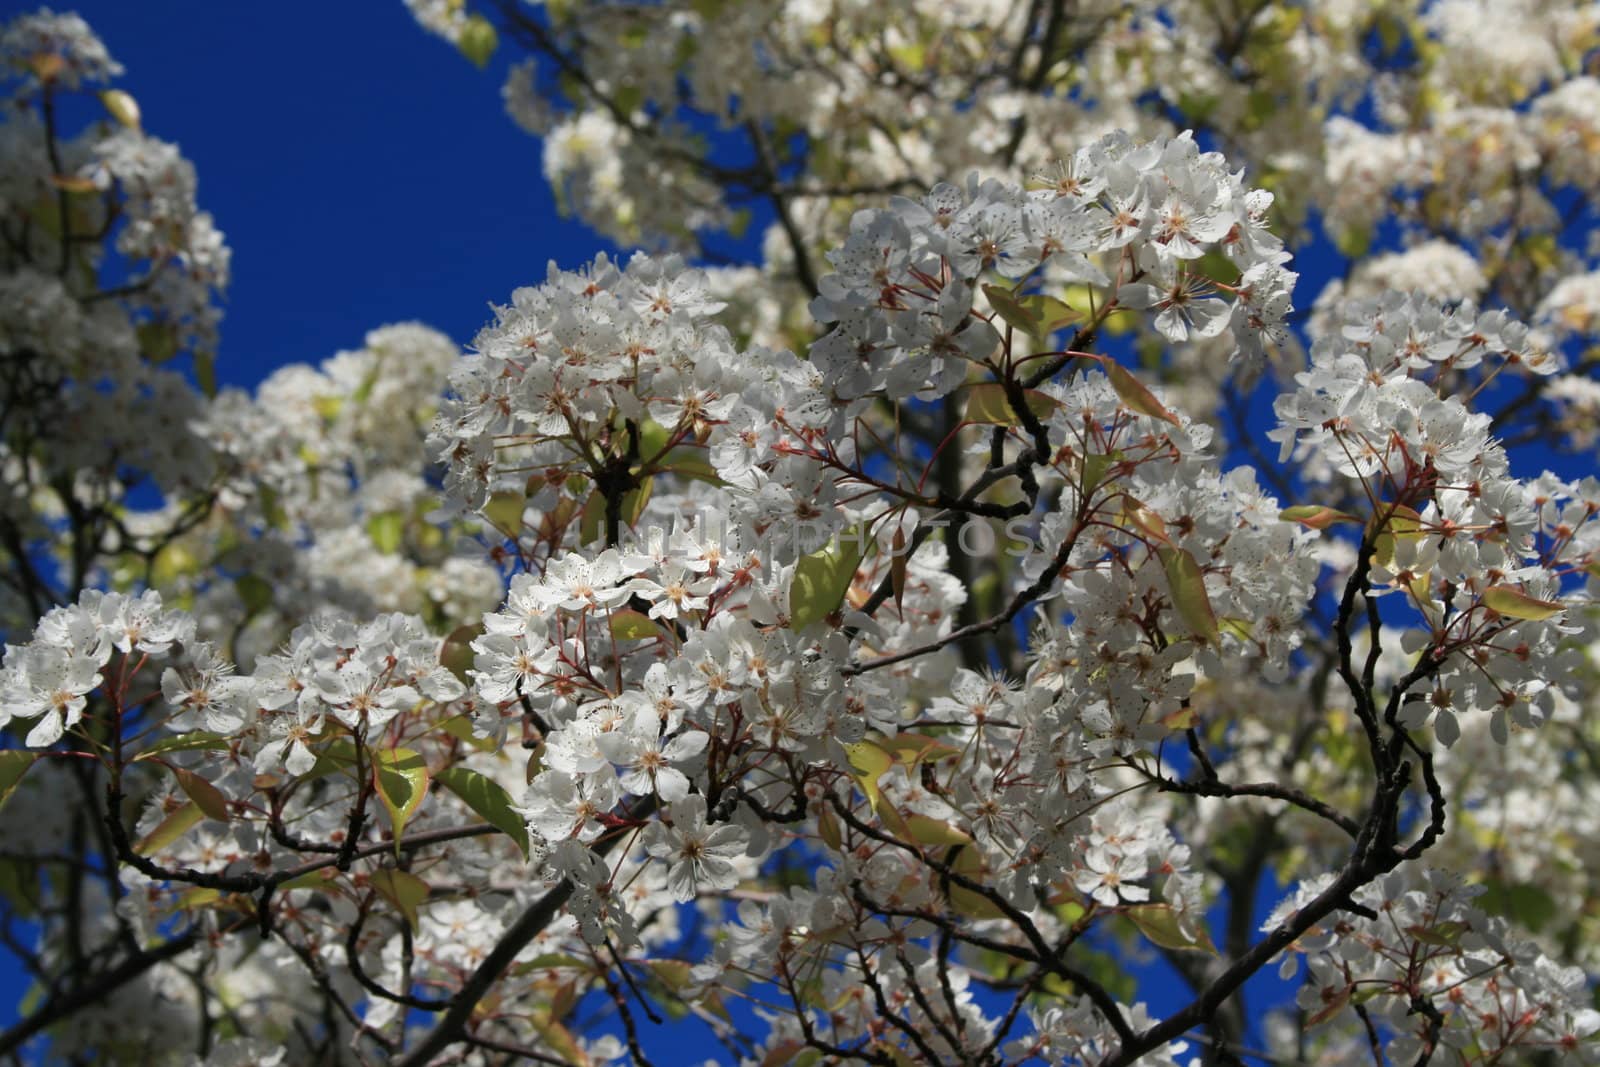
1435	973
50	677
64	45
1136	217
362	676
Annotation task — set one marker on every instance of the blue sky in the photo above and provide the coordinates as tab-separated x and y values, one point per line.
363	172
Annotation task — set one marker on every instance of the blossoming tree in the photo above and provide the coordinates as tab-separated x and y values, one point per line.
901	650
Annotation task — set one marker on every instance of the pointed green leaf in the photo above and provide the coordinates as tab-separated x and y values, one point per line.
913	749
14	764
1514	603
488	800
988	403
1316	516
1013	310
1333	1003
255	592
122	106
403	889
185	743
1134	395
821	581
205	373
171	828
387	530
968	862
504	512
456	655
19	886
1095	466
1527	904
478	40
460	728
1189	595
157	340
689	462
198	897
272	508
1159	923
868	762
926	830
401	778
315	880
206	796
630	625
1052	314
1446	934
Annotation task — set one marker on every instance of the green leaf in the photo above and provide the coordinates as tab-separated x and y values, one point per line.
171	828
1514	603
1159	923
988	403
1353	241
387	530
456	655
272	508
926	830
1445	934
687	461
828	828
122	106
1014	311
489	800
402	889
185	743
1052	314
1189	595
478	40
157	340
653	437
1316	516
1134	395
1333	1003
968	862
504	512
1138	515
628	98
630	625
207	797
913	749
198	897
401	778
14	763
868	762
561	1039
1095	467
548	962
205	373
821	581
1399	522
19	885
255	592
1526	904
460	728
315	880
1243	629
